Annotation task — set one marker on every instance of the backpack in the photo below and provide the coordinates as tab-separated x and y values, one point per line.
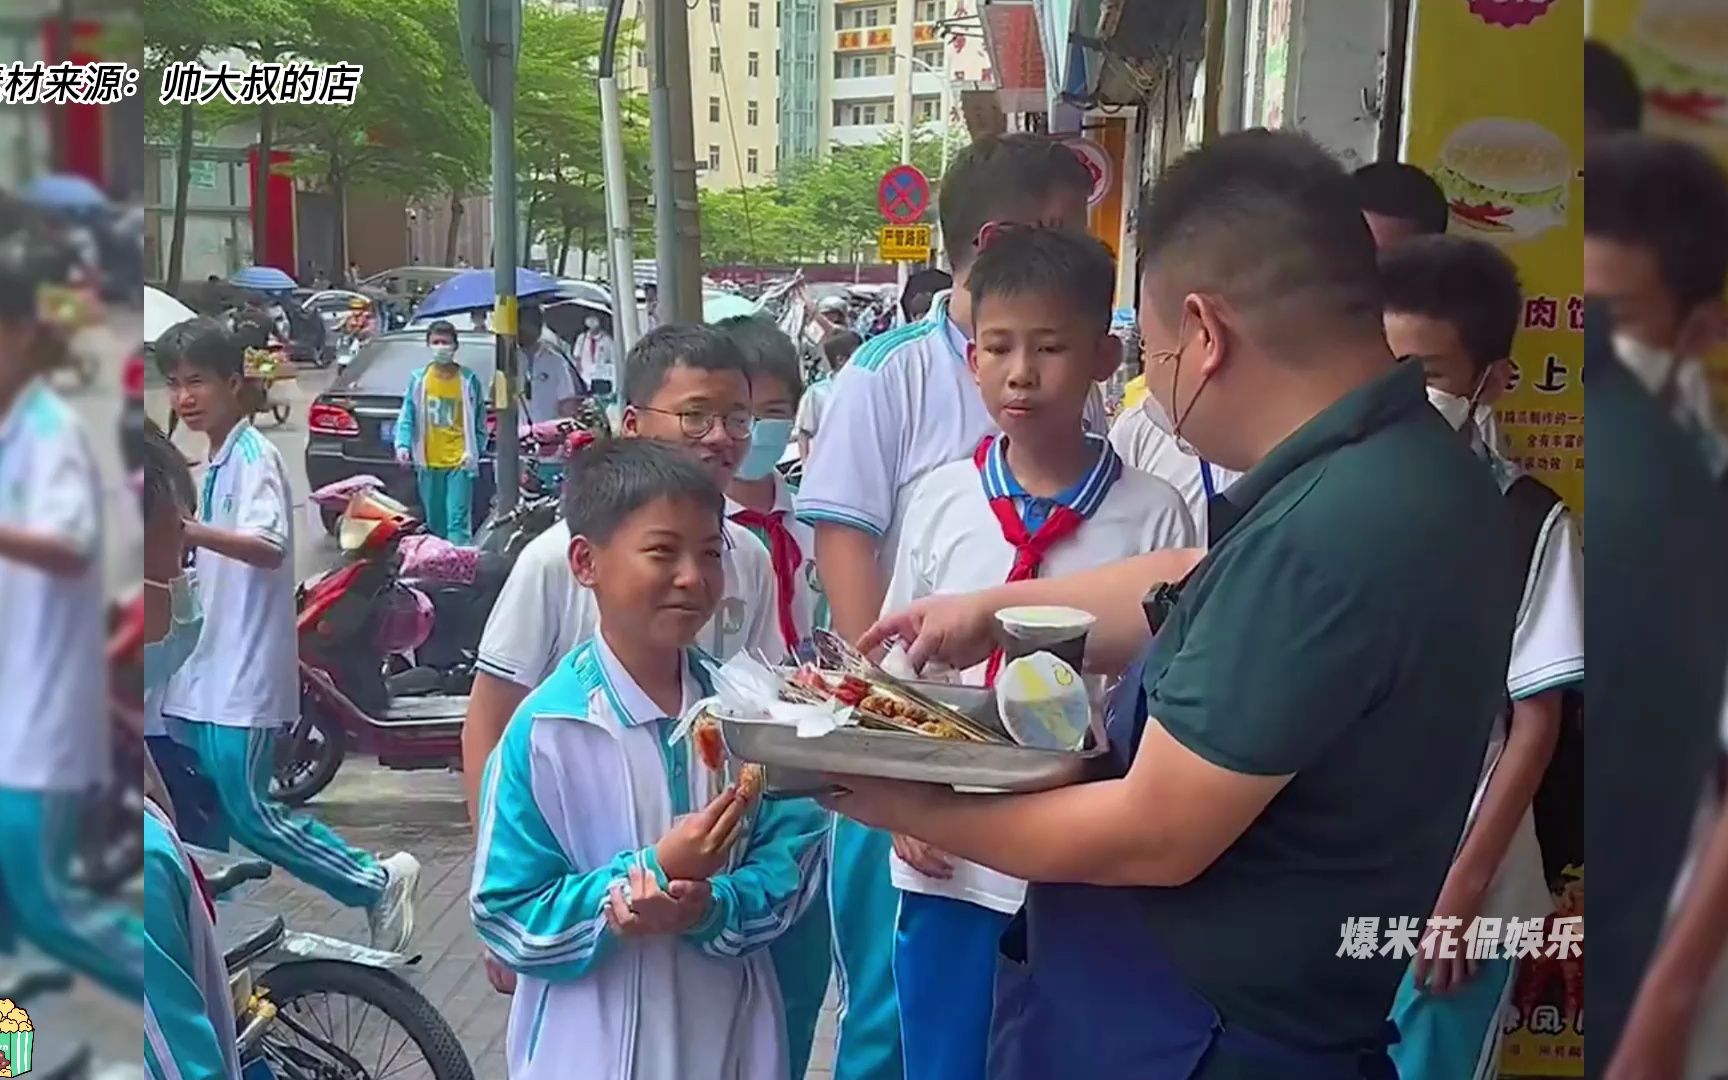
1558	808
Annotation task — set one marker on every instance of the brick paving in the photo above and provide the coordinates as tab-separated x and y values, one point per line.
423	812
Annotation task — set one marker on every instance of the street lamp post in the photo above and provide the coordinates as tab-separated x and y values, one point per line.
947	112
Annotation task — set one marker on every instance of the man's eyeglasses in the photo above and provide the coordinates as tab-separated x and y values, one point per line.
697	423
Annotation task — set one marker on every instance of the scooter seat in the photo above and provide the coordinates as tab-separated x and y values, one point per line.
223	872
246	932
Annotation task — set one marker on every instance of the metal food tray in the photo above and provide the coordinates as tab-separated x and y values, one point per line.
794	764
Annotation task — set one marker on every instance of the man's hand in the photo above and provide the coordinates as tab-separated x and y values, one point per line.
894	805
693	898
1655	1042
403	457
1460	898
696	846
923	858
164	547
502	978
959	630
467	463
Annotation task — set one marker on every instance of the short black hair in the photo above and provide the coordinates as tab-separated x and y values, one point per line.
202	343
1468	283
167	477
1668	197
1003	177
767	351
840	345
1020	260
30	259
1268	221
666	347
441	326
1401	190
1612	99
531	313
610	479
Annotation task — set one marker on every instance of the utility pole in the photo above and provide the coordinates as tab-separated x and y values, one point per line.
903	44
677	234
491	32
620	253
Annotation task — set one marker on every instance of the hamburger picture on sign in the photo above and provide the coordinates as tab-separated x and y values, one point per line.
1506	180
1680	54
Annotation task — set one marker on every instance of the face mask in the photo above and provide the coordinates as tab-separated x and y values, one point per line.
185	622
768	441
1459	411
444	354
1652	365
1155	410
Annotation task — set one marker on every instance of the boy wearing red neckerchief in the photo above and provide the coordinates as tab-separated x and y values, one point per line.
1043	498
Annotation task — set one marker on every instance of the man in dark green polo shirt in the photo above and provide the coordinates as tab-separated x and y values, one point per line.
1297	747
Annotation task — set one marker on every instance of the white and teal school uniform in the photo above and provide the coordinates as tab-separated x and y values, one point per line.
1144	446
1456	1036
578	791
793	565
946	945
242	681
188	1012
54	728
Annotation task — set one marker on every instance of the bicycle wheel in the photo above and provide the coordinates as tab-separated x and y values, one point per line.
340	1020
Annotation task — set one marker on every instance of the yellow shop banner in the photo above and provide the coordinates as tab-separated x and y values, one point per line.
1494	117
1678	49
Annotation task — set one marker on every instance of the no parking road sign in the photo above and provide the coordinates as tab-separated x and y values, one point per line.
903	195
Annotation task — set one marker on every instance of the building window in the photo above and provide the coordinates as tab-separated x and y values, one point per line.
930	57
714	158
754	67
755	13
713	10
932	10
714	110
642	58
752	115
839	18
872	65
714	61
776	14
776	63
928	110
776	155
872	16
751	165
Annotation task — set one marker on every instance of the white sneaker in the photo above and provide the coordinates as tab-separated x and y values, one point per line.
391	919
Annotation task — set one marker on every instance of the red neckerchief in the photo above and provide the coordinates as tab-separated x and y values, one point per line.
788	559
1029	548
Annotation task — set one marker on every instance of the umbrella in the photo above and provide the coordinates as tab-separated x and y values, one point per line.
162	311
724	305
472	290
595	296
263	279
64	191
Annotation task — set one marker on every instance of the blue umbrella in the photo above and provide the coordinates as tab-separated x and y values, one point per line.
262	279
64	191
471	290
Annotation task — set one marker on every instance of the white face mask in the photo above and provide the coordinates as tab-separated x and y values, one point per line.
443	353
1155	410
1461	410
1651	365
162	658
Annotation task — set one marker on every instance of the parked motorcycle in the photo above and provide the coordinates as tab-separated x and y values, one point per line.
402	700
321	1008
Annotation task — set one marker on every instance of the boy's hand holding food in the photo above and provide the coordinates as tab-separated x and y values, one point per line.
697	845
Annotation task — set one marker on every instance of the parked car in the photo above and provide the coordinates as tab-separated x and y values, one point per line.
411	282
351	427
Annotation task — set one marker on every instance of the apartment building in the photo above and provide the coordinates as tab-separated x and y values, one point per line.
862	54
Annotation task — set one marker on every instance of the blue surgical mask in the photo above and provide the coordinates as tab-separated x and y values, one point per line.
768	441
185	623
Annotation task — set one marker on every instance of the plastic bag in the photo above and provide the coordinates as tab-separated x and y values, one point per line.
748	691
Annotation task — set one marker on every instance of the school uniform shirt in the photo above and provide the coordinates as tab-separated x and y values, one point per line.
54	727
579	790
1547	653
812	405
245	669
1143	446
543	612
953	543
596	358
809	606
548	378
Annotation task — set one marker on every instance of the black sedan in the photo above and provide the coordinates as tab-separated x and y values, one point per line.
352	426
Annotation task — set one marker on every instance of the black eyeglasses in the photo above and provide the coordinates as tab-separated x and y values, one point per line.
697	423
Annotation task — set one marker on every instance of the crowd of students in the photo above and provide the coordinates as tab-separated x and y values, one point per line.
1346	625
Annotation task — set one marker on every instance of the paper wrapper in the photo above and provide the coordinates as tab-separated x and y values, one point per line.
1043	702
749	691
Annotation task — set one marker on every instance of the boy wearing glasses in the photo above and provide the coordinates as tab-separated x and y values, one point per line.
686	386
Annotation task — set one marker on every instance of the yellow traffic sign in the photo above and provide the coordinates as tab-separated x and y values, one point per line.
904	243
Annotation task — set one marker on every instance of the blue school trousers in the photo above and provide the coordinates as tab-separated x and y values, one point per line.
238	761
92	935
945	953
862	903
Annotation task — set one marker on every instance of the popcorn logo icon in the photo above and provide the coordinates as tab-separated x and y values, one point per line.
17	1039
